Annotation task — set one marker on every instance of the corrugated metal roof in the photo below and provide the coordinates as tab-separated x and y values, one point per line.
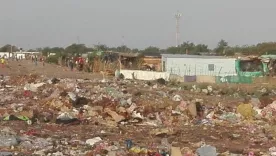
124	54
191	56
128	55
157	54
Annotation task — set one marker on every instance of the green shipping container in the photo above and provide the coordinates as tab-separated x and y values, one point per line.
250	74
234	79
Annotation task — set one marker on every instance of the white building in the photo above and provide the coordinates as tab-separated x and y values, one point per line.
5	54
198	65
19	54
23	54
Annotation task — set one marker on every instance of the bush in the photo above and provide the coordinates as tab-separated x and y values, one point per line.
52	59
174	82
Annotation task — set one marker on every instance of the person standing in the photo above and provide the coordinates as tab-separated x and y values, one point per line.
3	62
43	61
71	64
81	63
68	62
35	60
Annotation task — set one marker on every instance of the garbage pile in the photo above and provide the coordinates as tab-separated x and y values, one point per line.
51	116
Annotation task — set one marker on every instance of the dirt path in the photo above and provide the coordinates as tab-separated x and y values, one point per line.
26	67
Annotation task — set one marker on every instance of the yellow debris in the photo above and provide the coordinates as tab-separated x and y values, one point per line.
246	110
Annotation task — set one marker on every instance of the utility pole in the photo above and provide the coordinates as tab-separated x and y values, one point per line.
123	43
78	39
177	17
11	50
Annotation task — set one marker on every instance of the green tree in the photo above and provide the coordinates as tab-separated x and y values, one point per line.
89	49
266	48
45	51
151	49
188	46
8	48
123	49
75	49
201	48
114	49
135	50
174	50
162	51
222	45
101	47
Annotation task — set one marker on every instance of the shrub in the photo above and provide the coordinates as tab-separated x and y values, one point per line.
52	59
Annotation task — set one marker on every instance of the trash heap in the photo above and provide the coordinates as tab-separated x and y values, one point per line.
56	117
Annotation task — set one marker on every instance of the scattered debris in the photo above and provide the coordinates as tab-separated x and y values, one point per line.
93	141
89	117
206	151
161	81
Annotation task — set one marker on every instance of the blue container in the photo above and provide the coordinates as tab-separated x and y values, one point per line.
129	143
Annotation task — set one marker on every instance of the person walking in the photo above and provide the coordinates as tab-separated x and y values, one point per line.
43	61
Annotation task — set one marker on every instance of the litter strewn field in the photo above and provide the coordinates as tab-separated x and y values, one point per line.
59	114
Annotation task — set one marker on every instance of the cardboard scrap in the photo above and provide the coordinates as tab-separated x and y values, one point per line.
114	115
175	151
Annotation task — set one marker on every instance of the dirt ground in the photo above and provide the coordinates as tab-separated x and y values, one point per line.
221	135
26	67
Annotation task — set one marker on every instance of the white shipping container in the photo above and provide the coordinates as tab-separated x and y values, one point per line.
198	65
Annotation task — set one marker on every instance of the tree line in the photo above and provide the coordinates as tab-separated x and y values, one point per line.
222	48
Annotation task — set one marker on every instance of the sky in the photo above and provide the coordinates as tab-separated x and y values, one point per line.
135	23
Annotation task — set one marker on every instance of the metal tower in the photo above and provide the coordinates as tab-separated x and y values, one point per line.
177	17
123	40
123	43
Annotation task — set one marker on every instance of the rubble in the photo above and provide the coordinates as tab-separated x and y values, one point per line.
177	98
62	116
7	141
206	151
6	154
33	87
114	115
93	141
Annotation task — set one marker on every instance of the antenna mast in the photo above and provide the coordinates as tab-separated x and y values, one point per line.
177	17
123	43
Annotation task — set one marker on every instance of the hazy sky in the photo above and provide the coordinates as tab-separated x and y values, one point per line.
40	23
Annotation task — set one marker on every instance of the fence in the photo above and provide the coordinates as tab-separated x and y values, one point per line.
199	71
144	75
213	79
150	75
205	76
198	66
